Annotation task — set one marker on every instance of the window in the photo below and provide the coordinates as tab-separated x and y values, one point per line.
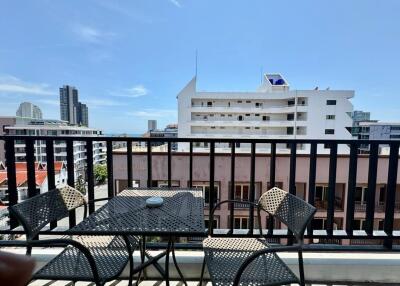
242	192
258	104
331	102
359	224
212	127
257	114
222	115
330	117
247	127
290	116
241	222
360	196
290	102
240	117
229	104
321	193
215	222
247	114
289	130
394	128
330	131
265	118
380	224
395	136
229	115
237	145
209	103
248	101
205	187
164	184
256	127
239	101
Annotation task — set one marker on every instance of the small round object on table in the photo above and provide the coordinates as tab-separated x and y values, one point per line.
154	202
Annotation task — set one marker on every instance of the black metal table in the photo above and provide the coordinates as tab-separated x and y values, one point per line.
181	215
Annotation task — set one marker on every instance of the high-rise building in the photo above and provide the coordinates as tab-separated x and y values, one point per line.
151	125
272	112
71	110
29	110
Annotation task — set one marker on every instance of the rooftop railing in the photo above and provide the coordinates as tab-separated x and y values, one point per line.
383	238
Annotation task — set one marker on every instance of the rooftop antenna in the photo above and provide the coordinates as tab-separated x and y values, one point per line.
261	73
196	65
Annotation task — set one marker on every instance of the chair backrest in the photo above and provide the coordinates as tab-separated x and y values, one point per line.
40	210
294	212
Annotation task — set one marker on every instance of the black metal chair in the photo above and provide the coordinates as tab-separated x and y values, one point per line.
252	261
85	258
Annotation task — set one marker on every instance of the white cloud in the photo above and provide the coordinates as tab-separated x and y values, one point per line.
154	113
133	92
176	3
11	84
92	35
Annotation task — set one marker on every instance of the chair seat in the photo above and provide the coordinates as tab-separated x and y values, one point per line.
224	256
109	252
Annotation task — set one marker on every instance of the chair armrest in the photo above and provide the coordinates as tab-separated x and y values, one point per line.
211	219
97	200
65	242
257	254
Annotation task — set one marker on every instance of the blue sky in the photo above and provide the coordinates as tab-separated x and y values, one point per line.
129	59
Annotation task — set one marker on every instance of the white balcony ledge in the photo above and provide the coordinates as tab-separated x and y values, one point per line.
321	267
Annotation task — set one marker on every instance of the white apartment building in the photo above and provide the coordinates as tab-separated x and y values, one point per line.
272	112
57	128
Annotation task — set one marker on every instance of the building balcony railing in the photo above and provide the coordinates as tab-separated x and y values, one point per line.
384	238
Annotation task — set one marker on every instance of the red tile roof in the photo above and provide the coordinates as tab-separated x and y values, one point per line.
22	177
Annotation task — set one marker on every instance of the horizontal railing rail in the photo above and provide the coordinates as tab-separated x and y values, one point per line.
348	205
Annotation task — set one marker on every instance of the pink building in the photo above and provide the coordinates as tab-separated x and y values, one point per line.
180	177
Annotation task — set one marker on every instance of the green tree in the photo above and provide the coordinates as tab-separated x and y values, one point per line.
100	173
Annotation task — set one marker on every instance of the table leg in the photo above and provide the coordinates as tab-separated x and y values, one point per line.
176	263
142	257
169	246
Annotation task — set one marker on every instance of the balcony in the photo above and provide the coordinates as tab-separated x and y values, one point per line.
329	250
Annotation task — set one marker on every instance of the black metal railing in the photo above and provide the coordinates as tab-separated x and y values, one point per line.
329	234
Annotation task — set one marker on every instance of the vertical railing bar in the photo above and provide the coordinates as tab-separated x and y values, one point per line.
232	189
90	175
292	167
211	184
311	181
129	162
272	184
71	176
51	185
331	188
292	180
351	188
190	164
169	164
252	186
30	167
391	193
11	178
110	170
372	172
149	165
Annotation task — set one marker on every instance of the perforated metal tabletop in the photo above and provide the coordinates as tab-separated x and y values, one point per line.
180	215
